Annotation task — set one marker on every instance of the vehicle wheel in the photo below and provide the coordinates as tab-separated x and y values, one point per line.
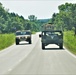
61	46
43	46
30	42
17	41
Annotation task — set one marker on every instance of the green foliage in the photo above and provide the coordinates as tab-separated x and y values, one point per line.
11	22
32	18
66	18
6	40
70	41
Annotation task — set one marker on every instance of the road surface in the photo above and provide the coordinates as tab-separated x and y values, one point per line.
30	59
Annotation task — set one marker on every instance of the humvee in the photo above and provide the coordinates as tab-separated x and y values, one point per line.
23	36
51	37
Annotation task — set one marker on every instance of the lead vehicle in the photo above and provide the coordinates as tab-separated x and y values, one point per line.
23	36
51	37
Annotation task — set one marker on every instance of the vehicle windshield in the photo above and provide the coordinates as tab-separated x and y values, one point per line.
18	33
50	33
23	33
26	33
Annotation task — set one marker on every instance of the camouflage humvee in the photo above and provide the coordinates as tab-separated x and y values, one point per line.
23	36
51	36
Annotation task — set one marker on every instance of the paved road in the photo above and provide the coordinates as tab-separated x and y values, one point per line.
25	59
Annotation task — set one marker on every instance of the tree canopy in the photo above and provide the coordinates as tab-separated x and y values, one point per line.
66	18
11	22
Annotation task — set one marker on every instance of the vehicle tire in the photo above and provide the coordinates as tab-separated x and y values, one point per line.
30	42
61	46
17	41
43	46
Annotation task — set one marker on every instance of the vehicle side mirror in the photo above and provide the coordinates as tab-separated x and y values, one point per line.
39	35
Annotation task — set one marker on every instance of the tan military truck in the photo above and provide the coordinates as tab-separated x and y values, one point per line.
23	36
48	27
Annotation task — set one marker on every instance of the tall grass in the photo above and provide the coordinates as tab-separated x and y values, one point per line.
70	41
6	40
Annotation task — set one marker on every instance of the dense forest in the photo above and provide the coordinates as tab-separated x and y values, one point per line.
66	18
11	22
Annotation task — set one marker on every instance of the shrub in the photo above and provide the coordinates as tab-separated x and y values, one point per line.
70	41
6	40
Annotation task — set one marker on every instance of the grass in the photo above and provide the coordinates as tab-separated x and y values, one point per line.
6	40
70	41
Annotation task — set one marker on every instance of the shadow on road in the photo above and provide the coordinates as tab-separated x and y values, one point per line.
53	49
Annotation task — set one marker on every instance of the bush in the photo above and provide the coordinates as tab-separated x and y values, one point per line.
70	41
6	40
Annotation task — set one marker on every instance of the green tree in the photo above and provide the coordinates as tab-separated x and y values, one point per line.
32	18
66	18
10	22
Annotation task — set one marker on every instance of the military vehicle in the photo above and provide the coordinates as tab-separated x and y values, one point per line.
23	36
51	36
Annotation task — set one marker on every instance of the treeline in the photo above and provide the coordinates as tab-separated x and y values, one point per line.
11	22
66	18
